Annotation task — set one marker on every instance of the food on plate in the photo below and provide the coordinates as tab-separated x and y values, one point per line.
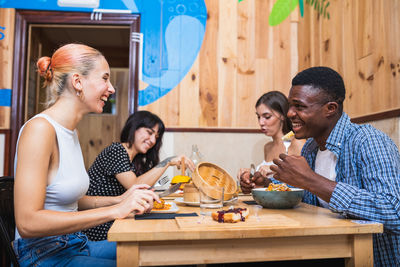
231	216
181	179
161	206
278	187
288	136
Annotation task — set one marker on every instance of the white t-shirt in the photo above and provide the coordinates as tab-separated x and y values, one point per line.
325	164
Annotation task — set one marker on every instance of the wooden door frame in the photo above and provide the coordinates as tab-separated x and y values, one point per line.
22	20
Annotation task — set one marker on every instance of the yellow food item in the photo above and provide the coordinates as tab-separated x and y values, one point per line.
161	206
277	187
166	207
158	206
288	136
180	179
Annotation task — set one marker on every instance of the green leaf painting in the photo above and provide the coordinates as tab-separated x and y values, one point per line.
320	6
281	10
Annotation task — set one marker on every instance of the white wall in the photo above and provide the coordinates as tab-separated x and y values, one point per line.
391	127
230	151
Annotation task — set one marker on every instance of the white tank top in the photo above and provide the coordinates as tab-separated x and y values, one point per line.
71	181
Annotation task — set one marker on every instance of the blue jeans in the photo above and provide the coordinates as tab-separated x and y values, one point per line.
64	250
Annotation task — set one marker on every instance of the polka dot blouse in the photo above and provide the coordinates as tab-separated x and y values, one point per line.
112	160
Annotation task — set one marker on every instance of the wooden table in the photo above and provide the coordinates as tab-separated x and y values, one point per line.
305	232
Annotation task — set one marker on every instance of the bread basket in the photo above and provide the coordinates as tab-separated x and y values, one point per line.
209	174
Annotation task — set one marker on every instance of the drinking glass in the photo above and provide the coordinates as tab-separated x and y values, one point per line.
211	197
256	209
287	143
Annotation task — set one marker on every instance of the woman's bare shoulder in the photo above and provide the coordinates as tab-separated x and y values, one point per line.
268	150
37	130
268	145
296	146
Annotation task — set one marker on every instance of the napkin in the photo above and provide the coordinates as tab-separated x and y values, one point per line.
250	202
155	216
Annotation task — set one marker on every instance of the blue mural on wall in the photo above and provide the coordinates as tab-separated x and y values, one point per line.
173	33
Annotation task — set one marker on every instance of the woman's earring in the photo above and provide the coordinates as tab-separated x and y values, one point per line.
80	94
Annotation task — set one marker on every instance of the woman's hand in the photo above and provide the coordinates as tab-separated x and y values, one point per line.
265	171
133	188
137	200
241	171
176	161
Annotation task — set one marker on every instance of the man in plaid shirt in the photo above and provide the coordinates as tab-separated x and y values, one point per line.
351	169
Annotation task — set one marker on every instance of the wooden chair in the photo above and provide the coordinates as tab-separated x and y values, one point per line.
7	221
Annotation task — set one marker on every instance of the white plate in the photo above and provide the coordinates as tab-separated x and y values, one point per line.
173	208
197	204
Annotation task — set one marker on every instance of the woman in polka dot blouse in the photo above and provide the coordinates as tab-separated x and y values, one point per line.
134	160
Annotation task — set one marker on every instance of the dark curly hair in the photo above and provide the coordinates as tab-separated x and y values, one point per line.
278	102
146	119
325	79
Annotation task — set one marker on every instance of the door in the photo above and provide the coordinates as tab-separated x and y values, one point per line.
38	33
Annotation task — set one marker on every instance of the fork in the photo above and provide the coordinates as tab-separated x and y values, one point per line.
252	169
163	180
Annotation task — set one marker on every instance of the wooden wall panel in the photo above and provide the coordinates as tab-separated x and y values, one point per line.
246	74
227	63
7	22
363	46
209	68
350	56
243	57
189	95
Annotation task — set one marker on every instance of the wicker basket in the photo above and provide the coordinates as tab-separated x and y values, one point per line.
207	175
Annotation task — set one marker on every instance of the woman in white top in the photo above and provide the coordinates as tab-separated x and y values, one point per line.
51	207
271	111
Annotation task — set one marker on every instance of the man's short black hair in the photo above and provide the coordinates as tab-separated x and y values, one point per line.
325	79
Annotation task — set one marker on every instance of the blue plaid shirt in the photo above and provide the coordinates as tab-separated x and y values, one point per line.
368	182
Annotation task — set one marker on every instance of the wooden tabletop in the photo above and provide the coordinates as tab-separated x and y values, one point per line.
302	220
304	232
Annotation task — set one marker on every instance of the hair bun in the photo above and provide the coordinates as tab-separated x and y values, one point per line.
44	68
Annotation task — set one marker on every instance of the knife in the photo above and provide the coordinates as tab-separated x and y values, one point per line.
170	190
252	170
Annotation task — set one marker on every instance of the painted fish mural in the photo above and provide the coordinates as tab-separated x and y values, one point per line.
173	32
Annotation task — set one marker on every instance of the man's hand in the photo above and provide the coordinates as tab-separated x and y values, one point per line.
294	170
248	182
245	182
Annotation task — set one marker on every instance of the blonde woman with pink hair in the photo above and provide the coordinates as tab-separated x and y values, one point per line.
51	207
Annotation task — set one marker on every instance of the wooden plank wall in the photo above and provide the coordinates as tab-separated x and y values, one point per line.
242	57
7	18
361	41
